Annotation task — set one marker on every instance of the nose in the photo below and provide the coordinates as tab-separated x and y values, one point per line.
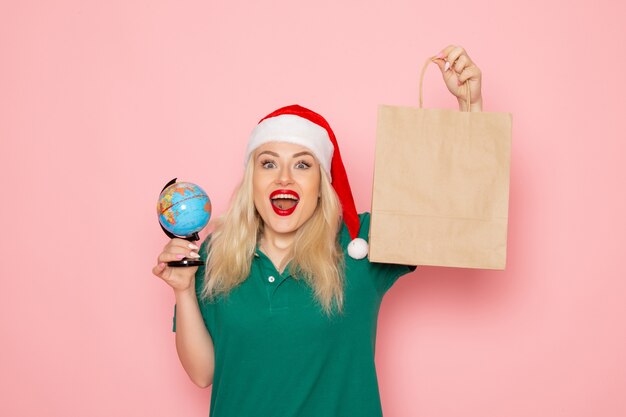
284	176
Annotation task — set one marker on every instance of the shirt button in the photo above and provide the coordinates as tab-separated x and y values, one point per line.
271	279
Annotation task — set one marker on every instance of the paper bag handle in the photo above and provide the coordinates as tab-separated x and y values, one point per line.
432	59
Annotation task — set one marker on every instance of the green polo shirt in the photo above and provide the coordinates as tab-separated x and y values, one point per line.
278	355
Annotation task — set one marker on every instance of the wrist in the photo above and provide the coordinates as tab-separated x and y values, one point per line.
475	106
185	294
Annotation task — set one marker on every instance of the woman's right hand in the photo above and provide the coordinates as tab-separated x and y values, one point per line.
179	278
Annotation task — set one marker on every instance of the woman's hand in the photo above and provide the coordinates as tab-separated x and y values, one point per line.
180	279
457	68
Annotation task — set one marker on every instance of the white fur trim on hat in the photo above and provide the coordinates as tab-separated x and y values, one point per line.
293	129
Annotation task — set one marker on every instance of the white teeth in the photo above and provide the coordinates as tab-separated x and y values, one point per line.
285	196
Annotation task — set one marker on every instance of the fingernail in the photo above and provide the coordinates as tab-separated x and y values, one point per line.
192	246
447	66
180	256
194	255
162	264
439	55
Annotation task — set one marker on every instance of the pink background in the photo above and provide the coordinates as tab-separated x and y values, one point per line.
101	103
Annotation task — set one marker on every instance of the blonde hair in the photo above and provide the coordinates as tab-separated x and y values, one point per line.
315	254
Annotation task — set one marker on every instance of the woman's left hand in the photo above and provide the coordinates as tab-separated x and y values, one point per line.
457	68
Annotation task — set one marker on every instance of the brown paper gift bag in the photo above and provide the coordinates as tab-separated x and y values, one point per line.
441	187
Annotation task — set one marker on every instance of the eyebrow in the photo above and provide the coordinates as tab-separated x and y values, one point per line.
295	155
269	153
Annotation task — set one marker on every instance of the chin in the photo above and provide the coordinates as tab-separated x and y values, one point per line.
283	225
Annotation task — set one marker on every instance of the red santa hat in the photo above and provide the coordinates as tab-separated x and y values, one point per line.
299	125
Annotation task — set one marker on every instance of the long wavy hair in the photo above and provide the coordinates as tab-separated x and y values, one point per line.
315	254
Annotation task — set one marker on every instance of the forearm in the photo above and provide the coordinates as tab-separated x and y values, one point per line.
193	341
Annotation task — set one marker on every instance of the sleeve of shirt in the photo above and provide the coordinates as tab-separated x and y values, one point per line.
386	274
199	280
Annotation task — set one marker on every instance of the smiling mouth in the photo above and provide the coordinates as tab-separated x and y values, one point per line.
284	202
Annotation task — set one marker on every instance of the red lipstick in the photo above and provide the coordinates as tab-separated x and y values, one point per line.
284	195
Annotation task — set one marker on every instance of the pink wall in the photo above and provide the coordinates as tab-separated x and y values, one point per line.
101	103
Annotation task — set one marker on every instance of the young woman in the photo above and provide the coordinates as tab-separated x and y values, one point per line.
281	319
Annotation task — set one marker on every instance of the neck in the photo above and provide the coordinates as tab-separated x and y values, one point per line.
277	247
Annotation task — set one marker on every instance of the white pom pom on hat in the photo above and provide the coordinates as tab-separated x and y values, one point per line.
358	248
299	125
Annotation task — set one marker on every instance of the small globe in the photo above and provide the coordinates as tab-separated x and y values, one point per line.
183	209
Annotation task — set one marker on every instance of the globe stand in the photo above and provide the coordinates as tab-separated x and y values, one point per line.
191	238
185	261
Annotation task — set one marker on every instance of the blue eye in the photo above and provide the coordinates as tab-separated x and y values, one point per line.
302	165
268	164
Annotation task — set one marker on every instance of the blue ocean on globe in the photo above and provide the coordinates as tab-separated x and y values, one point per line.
183	209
